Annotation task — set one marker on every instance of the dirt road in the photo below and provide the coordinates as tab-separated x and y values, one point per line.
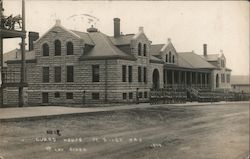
167	132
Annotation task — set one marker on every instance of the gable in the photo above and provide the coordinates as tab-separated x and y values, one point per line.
168	51
57	29
141	37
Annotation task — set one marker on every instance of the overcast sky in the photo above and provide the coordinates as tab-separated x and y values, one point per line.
223	25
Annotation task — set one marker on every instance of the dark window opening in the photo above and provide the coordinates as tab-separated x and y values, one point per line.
170	56
69	95
173	59
228	78
70	73
145	74
95	96
145	50
139	49
57	48
130	74
166	57
130	95
124	95
45	74
70	48
140	94
45	97
145	94
124	73
57	74
57	95
139	74
45	49
95	73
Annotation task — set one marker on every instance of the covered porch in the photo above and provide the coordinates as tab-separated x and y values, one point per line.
177	77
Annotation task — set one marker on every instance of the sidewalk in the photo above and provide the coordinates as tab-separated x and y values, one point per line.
48	111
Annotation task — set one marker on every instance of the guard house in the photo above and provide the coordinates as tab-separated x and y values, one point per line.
12	27
75	67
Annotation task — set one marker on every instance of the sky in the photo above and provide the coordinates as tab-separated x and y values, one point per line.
222	25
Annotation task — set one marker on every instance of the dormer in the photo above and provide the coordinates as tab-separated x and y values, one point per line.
140	45
168	53
222	60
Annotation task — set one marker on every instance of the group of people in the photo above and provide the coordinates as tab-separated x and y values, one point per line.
10	22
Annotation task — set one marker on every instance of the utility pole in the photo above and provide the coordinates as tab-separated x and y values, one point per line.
23	72
1	55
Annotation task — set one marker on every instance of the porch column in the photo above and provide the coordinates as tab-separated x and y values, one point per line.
185	78
196	79
179	78
191	82
205	82
172	78
201	79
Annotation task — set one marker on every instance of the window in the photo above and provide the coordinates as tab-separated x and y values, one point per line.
145	74
140	94
130	73
95	96
139	49
70	48
45	49
173	59
70	73
69	95
222	78
45	74
57	48
166	57
145	94
45	97
170	56
130	95
124	96
57	74
57	95
145	50
124	72
139	74
95	73
228	78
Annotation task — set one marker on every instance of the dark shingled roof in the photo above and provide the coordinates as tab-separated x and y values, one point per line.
15	54
104	49
192	60
122	40
84	36
211	57
155	49
154	59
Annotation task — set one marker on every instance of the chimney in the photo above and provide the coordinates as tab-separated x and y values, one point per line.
205	49
92	29
116	27
33	36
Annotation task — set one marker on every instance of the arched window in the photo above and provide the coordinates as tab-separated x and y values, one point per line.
170	56
173	59
166	57
139	49
70	48
57	48
45	49
145	50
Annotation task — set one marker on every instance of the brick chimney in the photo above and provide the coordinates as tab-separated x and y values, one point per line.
116	27
205	49
33	36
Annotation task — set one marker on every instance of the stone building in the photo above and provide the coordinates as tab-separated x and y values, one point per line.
71	67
